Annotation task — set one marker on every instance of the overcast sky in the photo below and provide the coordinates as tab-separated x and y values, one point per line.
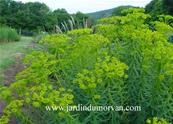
87	6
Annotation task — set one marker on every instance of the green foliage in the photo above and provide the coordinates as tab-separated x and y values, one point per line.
118	10
164	28
167	19
61	15
8	34
123	62
134	42
158	7
133	10
169	6
35	17
78	32
79	17
155	120
28	17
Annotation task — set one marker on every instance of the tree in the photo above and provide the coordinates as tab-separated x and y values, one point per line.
169	5
37	12
157	7
61	15
80	19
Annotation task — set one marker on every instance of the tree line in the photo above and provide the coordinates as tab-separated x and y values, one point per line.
35	16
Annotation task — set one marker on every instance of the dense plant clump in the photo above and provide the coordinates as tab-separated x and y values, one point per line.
8	34
125	61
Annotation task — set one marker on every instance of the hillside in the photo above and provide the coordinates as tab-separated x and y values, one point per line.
108	12
100	14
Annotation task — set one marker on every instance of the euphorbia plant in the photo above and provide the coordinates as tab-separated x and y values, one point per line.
127	60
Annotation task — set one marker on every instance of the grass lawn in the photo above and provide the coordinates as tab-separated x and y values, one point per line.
8	51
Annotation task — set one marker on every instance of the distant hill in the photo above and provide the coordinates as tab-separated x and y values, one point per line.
108	12
101	14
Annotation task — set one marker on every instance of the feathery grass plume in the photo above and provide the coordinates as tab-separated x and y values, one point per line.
58	29
66	26
72	19
83	23
86	23
71	24
63	26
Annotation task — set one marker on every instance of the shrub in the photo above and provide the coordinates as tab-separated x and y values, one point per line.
8	34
